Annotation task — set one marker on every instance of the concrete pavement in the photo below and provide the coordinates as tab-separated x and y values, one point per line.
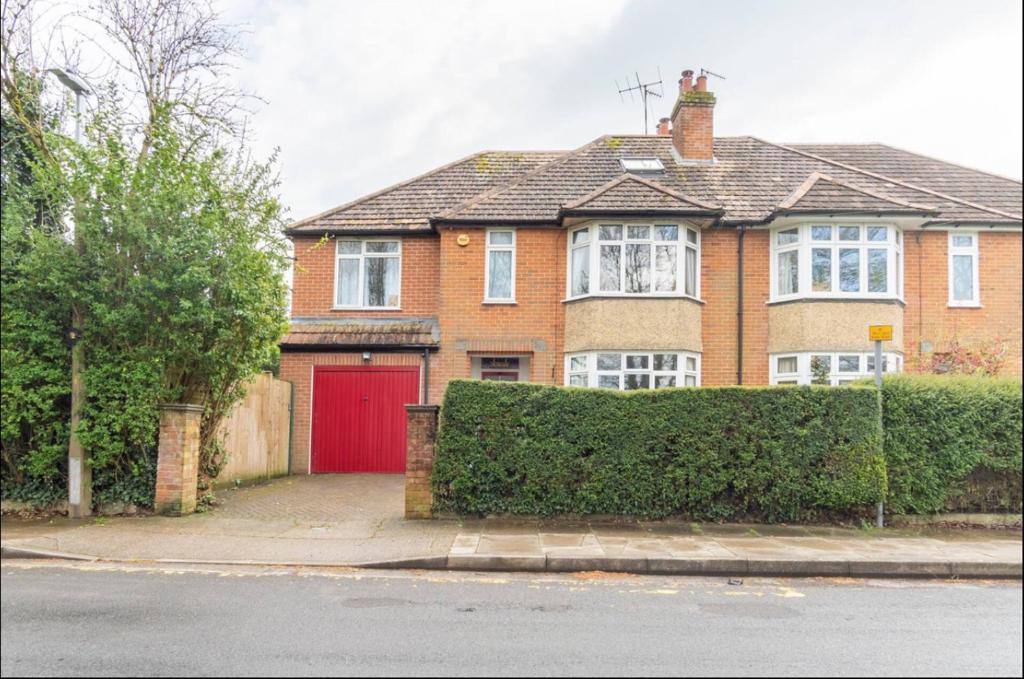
357	521
107	619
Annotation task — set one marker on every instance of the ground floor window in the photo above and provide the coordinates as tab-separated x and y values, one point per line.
832	368
627	370
501	368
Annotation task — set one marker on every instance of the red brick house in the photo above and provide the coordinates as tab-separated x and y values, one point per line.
671	259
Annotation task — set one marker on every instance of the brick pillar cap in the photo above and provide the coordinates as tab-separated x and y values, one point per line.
417	408
186	407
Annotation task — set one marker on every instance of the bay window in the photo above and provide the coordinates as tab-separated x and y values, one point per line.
829	368
963	269
841	261
634	259
368	274
632	370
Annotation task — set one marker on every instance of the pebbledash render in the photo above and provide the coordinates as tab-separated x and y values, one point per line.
633	262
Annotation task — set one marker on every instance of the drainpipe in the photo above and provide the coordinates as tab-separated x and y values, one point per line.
739	307
426	376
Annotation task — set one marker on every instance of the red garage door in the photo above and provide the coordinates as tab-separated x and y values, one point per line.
359	417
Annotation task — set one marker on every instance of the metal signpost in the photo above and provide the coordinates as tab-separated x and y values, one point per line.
879	334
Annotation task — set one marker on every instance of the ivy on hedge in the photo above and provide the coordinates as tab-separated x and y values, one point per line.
764	453
952	443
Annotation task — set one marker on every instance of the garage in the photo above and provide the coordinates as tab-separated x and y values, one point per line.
359	419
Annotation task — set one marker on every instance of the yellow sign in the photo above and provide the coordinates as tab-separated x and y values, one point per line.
462	240
881	333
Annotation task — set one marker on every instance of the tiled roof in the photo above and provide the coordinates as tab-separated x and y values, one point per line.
310	333
821	194
748	179
408	206
629	193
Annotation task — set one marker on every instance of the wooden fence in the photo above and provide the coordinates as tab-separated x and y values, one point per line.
256	434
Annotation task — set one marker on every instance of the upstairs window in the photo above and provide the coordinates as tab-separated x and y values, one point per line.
836	260
963	269
500	266
368	274
634	259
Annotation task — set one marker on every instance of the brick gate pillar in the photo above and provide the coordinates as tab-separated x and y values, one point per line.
420	435
177	467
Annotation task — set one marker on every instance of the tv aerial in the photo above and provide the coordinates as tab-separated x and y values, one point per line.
644	90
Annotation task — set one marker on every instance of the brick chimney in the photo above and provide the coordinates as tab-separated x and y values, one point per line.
693	118
663	129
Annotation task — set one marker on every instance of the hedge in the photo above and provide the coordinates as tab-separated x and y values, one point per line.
952	443
763	453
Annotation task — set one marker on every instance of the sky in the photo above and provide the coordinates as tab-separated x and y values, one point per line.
360	95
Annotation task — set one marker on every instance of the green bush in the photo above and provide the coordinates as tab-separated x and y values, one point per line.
952	443
769	453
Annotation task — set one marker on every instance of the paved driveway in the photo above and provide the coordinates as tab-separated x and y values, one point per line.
318	499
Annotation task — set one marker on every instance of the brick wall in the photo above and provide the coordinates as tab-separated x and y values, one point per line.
177	467
756	288
718	288
421	433
313	278
928	316
533	326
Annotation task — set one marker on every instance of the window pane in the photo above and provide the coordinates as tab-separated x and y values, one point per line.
382	246
610	273
691	364
577	363
963	241
580	237
665	268
638	268
499	363
638	232
637	362
821	269
662	381
691	272
821	233
871	363
666	362
500	284
609	233
786	364
609	361
691	236
821	368
878	233
642	381
878	270
608	381
581	270
350	247
787	237
963	278
789	274
849	364
348	282
666	232
380	287
849	270
690	381
578	380
849	233
500	237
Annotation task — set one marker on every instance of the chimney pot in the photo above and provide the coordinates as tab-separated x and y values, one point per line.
702	83
663	129
686	82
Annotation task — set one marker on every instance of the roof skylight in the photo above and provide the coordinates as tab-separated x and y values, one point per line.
641	165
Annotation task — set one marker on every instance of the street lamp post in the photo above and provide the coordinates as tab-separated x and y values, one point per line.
79	472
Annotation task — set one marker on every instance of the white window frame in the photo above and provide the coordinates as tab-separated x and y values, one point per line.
362	257
804	375
642	164
973	253
594	259
683	370
805	245
488	249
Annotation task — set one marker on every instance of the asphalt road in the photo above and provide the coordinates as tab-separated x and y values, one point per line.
108	620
